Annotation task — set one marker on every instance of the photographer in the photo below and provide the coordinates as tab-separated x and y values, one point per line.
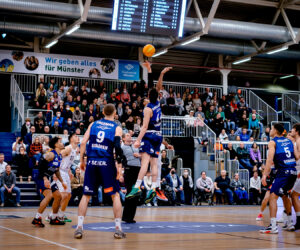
17	145
205	187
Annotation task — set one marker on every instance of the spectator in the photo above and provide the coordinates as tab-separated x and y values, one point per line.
77	186
17	145
3	164
239	190
125	97
137	126
45	144
9	185
199	111
255	188
205	186
220	111
231	119
218	124
254	126
187	183
57	118
56	129
232	153
28	136
26	127
50	91
130	123
210	115
243	123
223	135
188	103
266	135
77	116
243	156
179	104
61	93
222	186
67	113
36	150
165	164
174	182
223	102
147	187
46	130
39	127
22	163
41	100
196	101
232	136
244	135
190	123
70	126
255	156
39	90
38	118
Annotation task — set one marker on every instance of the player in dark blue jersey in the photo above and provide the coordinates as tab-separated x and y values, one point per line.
49	166
149	140
101	139
281	152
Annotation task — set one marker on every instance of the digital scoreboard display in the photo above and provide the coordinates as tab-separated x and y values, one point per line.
161	17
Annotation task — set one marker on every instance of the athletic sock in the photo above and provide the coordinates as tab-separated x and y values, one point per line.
80	221
118	223
138	183
273	222
61	214
158	184
289	219
38	215
53	216
154	185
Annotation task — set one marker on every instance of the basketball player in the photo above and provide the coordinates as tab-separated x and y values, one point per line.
264	203
68	156
149	140
281	151
47	168
296	189
103	136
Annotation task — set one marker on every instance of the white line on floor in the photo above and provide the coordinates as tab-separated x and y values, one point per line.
38	238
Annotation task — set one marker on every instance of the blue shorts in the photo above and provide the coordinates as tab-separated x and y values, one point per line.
100	171
41	186
151	143
284	182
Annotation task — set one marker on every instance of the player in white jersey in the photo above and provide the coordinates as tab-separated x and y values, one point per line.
296	189
68	156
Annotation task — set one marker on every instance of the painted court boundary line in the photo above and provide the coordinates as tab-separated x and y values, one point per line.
38	238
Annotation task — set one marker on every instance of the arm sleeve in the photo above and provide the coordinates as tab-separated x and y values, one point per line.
119	151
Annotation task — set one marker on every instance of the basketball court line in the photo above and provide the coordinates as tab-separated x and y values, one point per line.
38	238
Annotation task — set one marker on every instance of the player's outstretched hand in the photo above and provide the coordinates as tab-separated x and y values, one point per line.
82	166
166	69
170	147
137	144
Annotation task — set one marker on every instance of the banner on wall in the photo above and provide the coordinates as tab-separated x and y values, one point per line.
77	66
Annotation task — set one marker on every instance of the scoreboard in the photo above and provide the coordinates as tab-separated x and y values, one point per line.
161	17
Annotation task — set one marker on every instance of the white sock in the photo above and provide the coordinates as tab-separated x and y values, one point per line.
80	221
53	216
61	214
118	223
154	185
289	219
273	222
38	215
138	183
158	184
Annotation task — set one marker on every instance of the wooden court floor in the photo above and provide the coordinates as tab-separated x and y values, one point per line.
18	233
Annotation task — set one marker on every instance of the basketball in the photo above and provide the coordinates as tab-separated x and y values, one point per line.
148	50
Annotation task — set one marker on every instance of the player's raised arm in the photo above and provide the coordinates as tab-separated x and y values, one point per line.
83	143
65	152
147	116
161	78
269	162
49	156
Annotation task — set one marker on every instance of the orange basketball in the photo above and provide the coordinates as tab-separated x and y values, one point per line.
148	50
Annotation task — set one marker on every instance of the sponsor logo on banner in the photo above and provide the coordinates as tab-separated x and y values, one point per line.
129	70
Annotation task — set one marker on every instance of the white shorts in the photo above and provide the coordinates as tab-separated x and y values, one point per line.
66	178
296	187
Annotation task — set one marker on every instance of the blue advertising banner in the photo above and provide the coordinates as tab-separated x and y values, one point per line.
129	70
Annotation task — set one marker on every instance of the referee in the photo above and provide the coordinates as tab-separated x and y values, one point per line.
132	169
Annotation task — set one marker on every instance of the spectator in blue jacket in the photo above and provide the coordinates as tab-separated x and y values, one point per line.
244	135
174	182
57	118
254	126
28	136
70	126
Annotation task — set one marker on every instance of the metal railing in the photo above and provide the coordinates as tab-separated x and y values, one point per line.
62	136
245	178
291	108
264	110
17	103
178	126
27	82
180	87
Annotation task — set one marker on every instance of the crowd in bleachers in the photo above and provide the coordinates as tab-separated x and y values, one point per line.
66	108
